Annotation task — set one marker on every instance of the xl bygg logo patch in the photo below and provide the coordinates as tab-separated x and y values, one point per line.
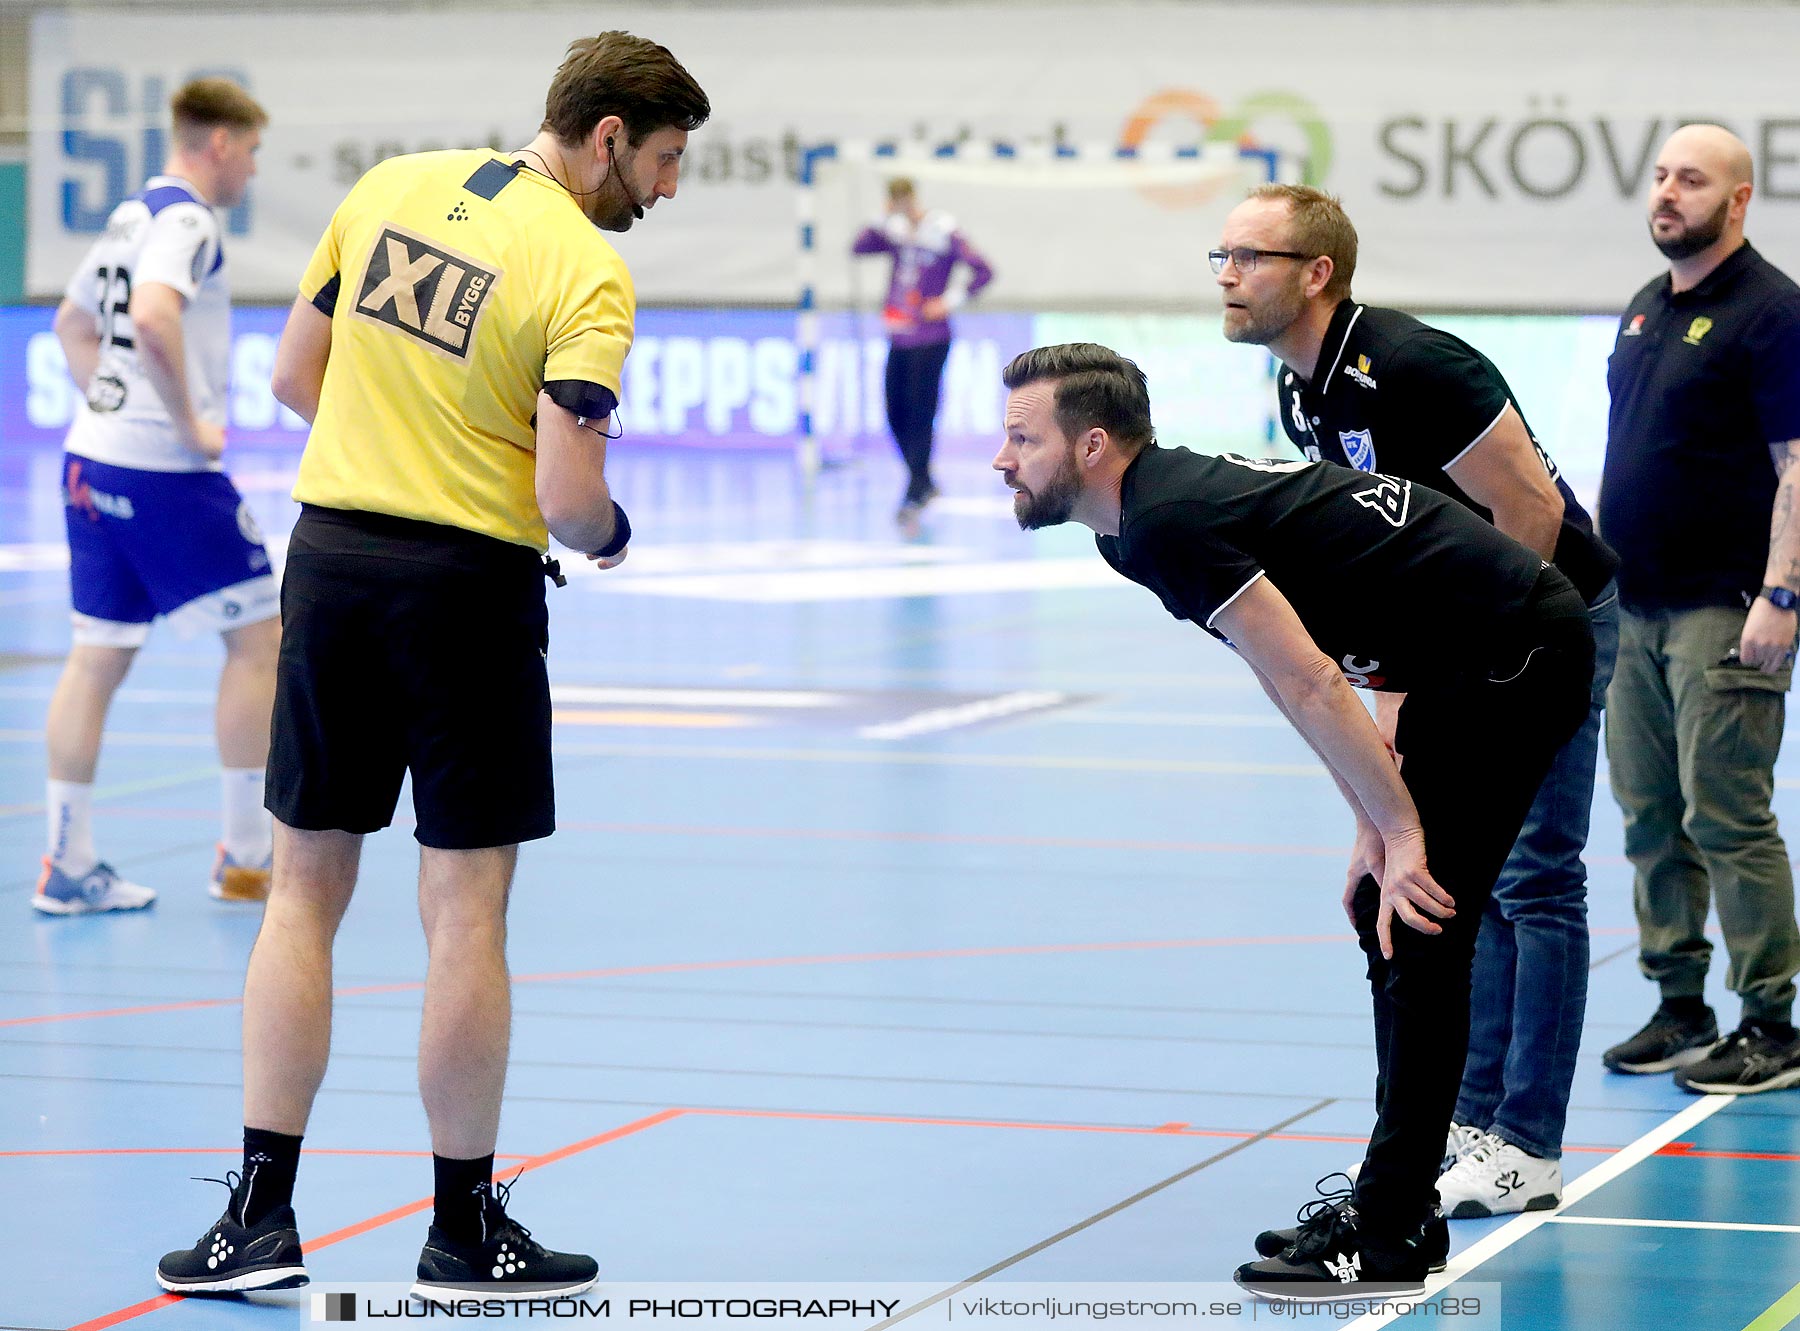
430	293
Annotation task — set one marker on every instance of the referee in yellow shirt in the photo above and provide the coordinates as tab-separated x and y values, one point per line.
457	346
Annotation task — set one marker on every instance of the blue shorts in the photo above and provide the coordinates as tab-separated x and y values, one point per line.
150	543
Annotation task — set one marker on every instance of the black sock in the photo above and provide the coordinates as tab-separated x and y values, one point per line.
270	1161
462	1189
1775	1028
1689	1007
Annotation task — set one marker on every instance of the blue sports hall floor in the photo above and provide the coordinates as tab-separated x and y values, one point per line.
935	916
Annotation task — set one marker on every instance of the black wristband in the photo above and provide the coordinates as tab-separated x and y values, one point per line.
621	536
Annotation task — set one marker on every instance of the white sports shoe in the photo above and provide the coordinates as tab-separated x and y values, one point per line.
1497	1178
1457	1144
99	889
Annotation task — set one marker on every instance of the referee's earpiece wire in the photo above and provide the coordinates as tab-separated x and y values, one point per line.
618	426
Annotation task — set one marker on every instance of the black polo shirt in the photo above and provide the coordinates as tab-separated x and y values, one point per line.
1702	383
1399	585
1394	395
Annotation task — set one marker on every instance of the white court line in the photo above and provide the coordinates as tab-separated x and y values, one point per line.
583	693
1464	1263
966	714
1245	720
1736	1226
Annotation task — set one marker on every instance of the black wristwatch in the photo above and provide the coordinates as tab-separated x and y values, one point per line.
1781	598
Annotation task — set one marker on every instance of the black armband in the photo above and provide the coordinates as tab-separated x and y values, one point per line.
326	301
621	536
590	401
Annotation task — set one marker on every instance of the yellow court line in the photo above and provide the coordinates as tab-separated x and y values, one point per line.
1780	1313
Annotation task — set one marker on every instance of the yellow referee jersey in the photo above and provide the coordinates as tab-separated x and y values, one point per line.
458	285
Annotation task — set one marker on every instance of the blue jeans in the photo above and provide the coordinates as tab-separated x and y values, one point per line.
1529	990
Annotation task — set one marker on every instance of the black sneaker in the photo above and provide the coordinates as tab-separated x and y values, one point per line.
1332	1261
1274	1242
506	1262
1666	1043
231	1259
1749	1060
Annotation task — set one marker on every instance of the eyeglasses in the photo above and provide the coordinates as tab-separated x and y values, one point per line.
1244	259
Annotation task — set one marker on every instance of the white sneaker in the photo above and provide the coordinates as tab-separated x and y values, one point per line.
1497	1178
1457	1144
99	889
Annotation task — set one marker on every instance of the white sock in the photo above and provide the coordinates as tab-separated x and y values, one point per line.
248	829
69	806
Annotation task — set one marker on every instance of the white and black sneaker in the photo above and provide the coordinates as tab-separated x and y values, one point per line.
1435	1240
231	1258
1333	1260
1499	1178
504	1263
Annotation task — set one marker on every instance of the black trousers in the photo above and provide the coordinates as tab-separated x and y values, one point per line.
1475	754
915	378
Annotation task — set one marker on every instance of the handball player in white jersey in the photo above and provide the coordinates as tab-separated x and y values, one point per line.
155	527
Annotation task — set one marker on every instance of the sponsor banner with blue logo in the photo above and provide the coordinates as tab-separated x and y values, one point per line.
711	378
1488	162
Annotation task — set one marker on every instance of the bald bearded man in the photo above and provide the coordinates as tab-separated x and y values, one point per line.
1705	383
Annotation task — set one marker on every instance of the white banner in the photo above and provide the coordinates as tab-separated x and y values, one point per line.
1492	157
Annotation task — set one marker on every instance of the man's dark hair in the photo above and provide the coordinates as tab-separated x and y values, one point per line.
1095	386
616	74
202	105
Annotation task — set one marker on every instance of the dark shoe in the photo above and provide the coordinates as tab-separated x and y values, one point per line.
1332	1260
1666	1043
505	1263
231	1259
1749	1060
1274	1242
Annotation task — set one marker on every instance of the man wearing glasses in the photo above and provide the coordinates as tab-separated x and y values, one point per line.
1377	390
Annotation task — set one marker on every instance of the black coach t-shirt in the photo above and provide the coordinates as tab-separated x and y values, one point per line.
1702	383
1397	396
1397	584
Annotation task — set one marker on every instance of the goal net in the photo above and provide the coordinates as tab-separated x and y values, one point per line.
1073	231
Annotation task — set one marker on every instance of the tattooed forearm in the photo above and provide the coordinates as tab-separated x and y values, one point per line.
1784	528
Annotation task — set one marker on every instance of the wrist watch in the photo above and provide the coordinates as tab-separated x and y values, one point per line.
1781	598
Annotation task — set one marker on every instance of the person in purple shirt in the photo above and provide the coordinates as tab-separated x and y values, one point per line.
926	247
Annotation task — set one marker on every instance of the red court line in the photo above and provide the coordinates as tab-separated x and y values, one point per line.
144	1010
398	1213
1104	1129
942	954
221	1150
950	838
744	963
1688	1151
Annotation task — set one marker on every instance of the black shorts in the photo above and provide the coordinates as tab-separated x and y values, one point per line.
410	646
